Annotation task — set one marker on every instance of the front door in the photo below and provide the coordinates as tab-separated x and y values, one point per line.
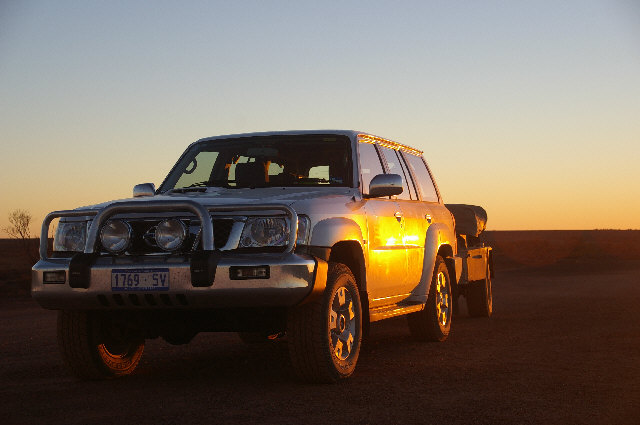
387	256
387	271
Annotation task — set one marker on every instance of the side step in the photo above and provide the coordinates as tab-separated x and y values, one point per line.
393	310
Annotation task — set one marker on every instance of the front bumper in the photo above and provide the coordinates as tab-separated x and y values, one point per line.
293	278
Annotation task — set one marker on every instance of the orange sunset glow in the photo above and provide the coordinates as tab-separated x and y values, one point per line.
529	112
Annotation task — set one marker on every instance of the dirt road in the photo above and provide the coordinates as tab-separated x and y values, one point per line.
562	347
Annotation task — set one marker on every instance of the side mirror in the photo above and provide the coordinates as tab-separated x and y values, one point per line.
385	185
144	189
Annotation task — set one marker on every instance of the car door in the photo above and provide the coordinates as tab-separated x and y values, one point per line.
420	214
387	255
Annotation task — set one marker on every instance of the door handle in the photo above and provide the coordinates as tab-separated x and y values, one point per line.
427	216
398	216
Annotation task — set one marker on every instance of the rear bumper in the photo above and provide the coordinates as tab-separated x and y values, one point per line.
292	279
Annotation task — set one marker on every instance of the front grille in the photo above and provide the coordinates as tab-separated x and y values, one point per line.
221	231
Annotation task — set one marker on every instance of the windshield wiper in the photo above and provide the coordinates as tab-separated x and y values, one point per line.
198	184
188	189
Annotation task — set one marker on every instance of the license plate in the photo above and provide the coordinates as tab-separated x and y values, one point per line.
140	279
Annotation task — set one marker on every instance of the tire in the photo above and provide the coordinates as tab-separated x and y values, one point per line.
434	322
480	297
90	348
325	335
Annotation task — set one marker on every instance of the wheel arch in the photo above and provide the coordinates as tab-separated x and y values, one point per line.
438	241
446	252
331	231
341	240
350	254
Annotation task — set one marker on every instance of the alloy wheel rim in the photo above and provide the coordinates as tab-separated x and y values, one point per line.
342	324
442	300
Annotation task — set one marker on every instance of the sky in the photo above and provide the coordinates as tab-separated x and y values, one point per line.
530	109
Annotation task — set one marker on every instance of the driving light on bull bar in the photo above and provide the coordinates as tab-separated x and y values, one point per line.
115	236
170	234
248	272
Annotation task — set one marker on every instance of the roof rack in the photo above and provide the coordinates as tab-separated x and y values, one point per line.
368	138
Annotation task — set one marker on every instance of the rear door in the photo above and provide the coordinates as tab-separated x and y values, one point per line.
431	206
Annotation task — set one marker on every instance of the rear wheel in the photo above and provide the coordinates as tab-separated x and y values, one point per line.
325	335
434	322
94	347
480	297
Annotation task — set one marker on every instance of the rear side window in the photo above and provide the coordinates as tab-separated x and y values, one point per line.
427	189
395	168
407	176
370	165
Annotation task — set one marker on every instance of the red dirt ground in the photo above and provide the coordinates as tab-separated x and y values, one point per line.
563	346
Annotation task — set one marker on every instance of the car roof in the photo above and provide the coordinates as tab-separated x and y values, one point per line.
351	134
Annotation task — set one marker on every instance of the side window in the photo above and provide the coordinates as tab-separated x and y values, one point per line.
427	189
370	165
407	176
395	168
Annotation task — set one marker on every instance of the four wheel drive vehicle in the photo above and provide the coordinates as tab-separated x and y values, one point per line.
307	235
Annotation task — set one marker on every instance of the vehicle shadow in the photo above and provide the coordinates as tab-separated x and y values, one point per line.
223	358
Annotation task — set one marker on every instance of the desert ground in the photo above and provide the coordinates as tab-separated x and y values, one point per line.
563	346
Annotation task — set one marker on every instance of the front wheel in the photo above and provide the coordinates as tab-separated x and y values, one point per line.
95	347
434	322
325	335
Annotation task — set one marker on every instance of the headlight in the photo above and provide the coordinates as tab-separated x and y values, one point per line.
70	236
115	236
262	231
273	231
170	234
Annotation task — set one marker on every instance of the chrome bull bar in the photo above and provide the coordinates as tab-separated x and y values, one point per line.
201	211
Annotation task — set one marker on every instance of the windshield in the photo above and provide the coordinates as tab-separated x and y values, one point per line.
315	160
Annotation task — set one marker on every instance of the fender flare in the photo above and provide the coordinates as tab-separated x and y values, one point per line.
437	235
330	231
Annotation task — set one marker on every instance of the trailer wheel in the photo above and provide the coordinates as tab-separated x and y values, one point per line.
325	335
93	347
434	322
480	297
